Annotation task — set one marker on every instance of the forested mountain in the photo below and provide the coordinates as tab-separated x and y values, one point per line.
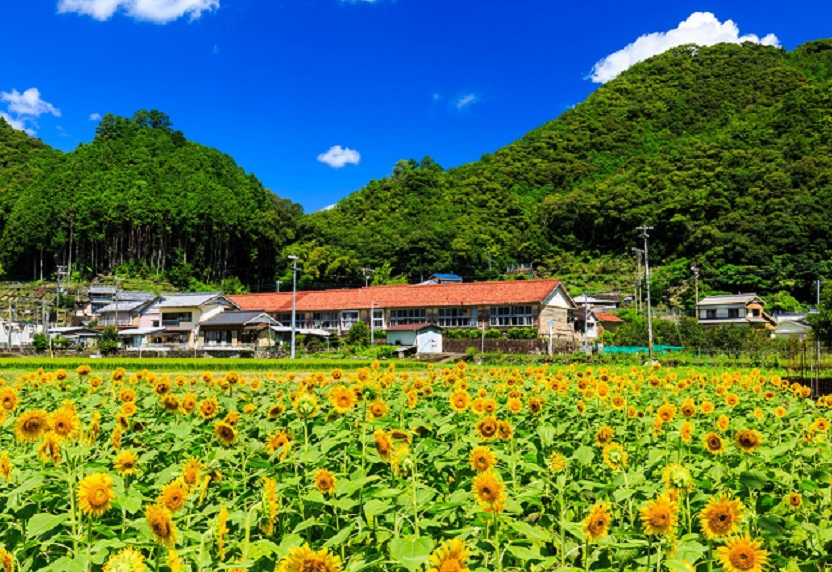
141	199
726	151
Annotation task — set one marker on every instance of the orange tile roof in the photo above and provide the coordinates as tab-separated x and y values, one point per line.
604	317
403	296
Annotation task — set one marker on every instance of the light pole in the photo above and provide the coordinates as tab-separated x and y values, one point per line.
294	260
644	235
367	273
639	252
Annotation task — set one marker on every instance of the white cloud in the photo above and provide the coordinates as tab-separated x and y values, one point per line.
338	156
465	100
24	108
701	28
95	117
158	11
28	103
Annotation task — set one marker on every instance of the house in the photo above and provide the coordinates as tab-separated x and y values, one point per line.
77	336
181	316
123	313
426	338
99	297
795	329
596	323
599	303
501	305
16	334
735	309
443	279
237	329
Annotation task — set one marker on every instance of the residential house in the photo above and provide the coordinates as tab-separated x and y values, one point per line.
443	279
734	309
235	330
122	313
181	315
16	334
539	304
425	338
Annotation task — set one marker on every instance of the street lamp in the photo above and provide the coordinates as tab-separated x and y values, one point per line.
644	235
294	260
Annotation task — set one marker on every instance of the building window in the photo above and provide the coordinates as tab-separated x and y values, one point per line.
325	320
176	318
710	314
505	316
285	318
457	317
217	337
733	312
408	316
348	318
378	319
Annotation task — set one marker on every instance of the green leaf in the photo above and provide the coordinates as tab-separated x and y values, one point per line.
753	479
525	553
584	455
43	522
341	537
411	552
533	533
375	507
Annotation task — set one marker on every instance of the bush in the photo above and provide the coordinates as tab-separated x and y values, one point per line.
359	335
493	334
108	342
40	342
522	333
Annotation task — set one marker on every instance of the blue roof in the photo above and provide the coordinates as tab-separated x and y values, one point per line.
448	276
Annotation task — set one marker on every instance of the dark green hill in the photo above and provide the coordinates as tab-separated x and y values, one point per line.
141	199
726	151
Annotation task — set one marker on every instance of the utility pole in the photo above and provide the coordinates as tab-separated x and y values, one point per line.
294	260
644	235
639	253
696	282
372	323
817	344
277	285
367	273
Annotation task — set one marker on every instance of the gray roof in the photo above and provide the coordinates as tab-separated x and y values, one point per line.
140	331
188	299
136	295
729	299
123	307
102	290
241	318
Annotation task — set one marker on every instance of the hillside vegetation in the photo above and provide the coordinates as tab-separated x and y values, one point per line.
725	150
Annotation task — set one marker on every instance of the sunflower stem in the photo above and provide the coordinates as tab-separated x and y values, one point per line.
710	556
89	544
415	506
586	556
562	528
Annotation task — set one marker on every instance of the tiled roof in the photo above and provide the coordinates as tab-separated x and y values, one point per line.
728	299
236	318
404	296
187	300
605	317
123	306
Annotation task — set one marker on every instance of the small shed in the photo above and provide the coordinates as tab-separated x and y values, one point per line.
792	329
426	338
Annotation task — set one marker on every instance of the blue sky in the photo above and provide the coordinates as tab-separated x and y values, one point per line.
318	97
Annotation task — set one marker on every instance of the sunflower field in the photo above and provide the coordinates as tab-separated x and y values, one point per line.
450	469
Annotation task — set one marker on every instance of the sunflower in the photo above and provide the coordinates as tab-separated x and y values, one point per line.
722	423
459	401
482	459
5	467
208	408
514	405
191	470
780	412
489	491
604	435
748	440
232	418
667	412
383	444
714	444
342	398
659	516
8	399
688	408
486	428
504	430
325	481
794	501
707	407
30	425
597	523
378	409
535	405
128	409
401	460
820	424
677	479
557	462
686	432
125	463
277	440
128	560
306	405
170	402
226	433
95	493
304	559
174	494
161	524
721	517
6	560
50	449
449	557
615	456
742	554
276	410
221	530
732	399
